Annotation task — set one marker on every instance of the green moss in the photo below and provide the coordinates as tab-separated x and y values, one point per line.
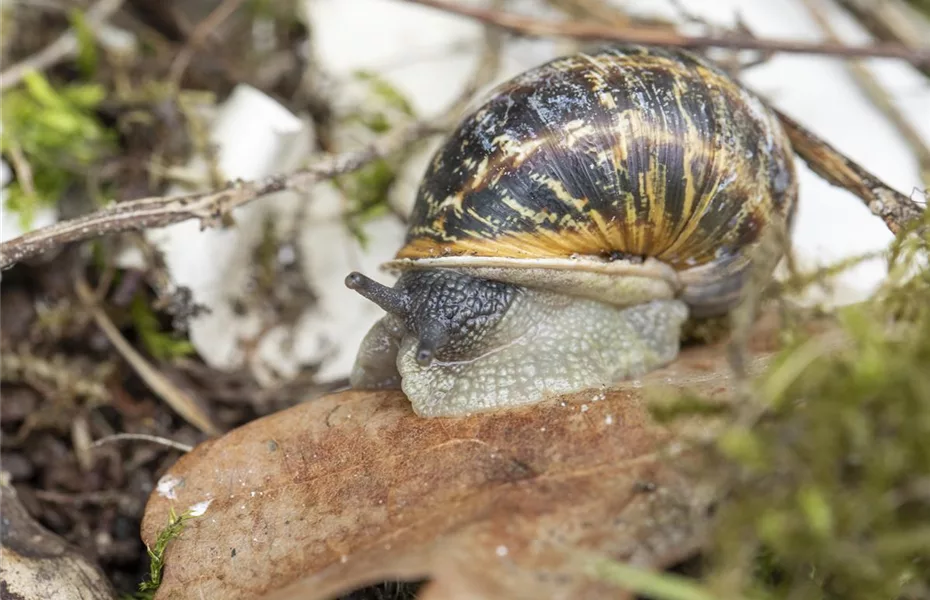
921	5
87	56
393	98
823	469
162	345
367	189
55	131
830	483
172	530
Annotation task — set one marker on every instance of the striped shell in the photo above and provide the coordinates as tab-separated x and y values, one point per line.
628	151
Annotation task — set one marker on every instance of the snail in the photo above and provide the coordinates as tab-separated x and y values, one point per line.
571	224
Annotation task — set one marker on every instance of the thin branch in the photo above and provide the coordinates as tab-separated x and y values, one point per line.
223	11
529	26
877	94
893	207
209	207
61	49
892	20
142	437
488	66
23	170
182	403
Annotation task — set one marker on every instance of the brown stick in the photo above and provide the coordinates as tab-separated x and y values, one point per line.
529	26
184	404
892	20
870	85
201	32
61	49
209	207
117	437
894	208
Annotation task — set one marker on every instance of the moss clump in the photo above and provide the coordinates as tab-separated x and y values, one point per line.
367	189
826	471
921	5
160	344
173	529
56	133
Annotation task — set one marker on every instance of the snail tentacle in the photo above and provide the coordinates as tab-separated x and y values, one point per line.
391	300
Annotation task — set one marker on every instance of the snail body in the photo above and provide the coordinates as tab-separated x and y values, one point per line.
566	230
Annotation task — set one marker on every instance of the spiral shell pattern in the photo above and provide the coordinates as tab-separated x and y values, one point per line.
629	150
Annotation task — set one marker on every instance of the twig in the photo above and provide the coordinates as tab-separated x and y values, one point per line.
894	208
223	11
142	437
876	93
182	403
529	26
23	170
605	11
62	48
209	207
488	65
892	20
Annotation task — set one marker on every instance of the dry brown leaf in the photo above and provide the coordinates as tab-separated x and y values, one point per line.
353	489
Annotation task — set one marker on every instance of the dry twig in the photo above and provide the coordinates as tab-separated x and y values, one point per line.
892	20
118	437
529	26
182	403
201	32
210	207
23	169
877	94
62	48
894	208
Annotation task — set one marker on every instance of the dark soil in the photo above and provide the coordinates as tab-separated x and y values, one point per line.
63	383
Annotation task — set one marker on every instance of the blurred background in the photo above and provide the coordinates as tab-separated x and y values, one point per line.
159	97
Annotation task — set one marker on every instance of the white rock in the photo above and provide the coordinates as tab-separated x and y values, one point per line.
255	137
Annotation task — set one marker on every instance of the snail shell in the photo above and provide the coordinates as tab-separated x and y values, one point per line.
630	185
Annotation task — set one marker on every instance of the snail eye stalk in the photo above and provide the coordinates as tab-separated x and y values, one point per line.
410	304
389	299
432	337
